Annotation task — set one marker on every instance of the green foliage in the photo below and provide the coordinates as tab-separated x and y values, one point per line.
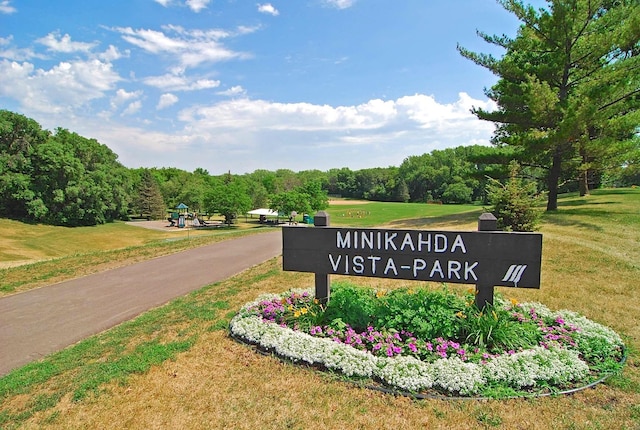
426	314
350	304
429	315
229	199
62	178
567	93
287	202
19	136
307	198
514	203
178	186
493	329
457	192
447	175
148	200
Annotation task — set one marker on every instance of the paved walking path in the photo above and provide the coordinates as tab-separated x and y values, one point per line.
45	320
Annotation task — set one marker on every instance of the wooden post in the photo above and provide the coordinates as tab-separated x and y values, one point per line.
484	293
323	283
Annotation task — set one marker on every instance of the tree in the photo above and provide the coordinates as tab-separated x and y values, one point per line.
148	200
318	198
19	136
179	186
457	192
229	199
429	176
568	84
513	203
60	178
79	181
303	199
287	202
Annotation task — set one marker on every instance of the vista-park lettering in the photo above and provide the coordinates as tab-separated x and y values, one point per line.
407	242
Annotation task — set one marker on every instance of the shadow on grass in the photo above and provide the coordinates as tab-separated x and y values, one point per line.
583	203
564	219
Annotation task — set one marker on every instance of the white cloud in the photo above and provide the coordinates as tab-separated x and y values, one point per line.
112	53
340	4
55	43
166	100
64	87
292	116
133	108
177	82
236	90
376	133
189	48
197	5
194	5
5	7
268	9
123	96
245	135
7	50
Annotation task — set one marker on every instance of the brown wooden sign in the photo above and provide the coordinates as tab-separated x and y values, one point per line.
488	258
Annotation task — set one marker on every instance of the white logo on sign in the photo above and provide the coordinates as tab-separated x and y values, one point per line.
514	273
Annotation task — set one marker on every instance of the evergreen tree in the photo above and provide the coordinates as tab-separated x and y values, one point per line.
514	203
569	85
148	200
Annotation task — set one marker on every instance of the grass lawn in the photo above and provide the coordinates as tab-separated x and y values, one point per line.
373	214
175	366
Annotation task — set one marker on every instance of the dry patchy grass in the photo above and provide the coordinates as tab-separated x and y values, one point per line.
219	383
590	265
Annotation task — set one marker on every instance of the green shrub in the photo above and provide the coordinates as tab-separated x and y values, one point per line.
426	314
513	203
350	305
494	329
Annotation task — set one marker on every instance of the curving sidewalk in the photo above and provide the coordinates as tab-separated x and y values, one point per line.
45	320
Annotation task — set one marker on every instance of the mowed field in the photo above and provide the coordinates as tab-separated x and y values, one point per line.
175	366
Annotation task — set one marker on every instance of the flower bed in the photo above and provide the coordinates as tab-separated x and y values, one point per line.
429	343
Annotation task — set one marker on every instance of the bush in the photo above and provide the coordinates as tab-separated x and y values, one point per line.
426	314
350	305
513	203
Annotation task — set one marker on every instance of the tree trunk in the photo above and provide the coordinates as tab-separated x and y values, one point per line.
552	180
584	183
584	176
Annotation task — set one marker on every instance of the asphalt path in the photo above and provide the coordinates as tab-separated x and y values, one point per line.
39	322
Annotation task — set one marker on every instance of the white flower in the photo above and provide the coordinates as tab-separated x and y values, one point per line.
405	372
527	368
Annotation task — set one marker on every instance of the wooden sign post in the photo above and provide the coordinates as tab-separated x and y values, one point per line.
486	258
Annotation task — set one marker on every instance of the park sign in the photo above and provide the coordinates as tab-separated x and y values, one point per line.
483	258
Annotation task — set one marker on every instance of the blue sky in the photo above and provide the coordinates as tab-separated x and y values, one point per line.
235	85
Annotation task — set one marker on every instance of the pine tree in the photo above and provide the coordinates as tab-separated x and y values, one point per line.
149	201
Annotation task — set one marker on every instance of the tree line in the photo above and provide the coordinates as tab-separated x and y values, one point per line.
62	178
567	100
